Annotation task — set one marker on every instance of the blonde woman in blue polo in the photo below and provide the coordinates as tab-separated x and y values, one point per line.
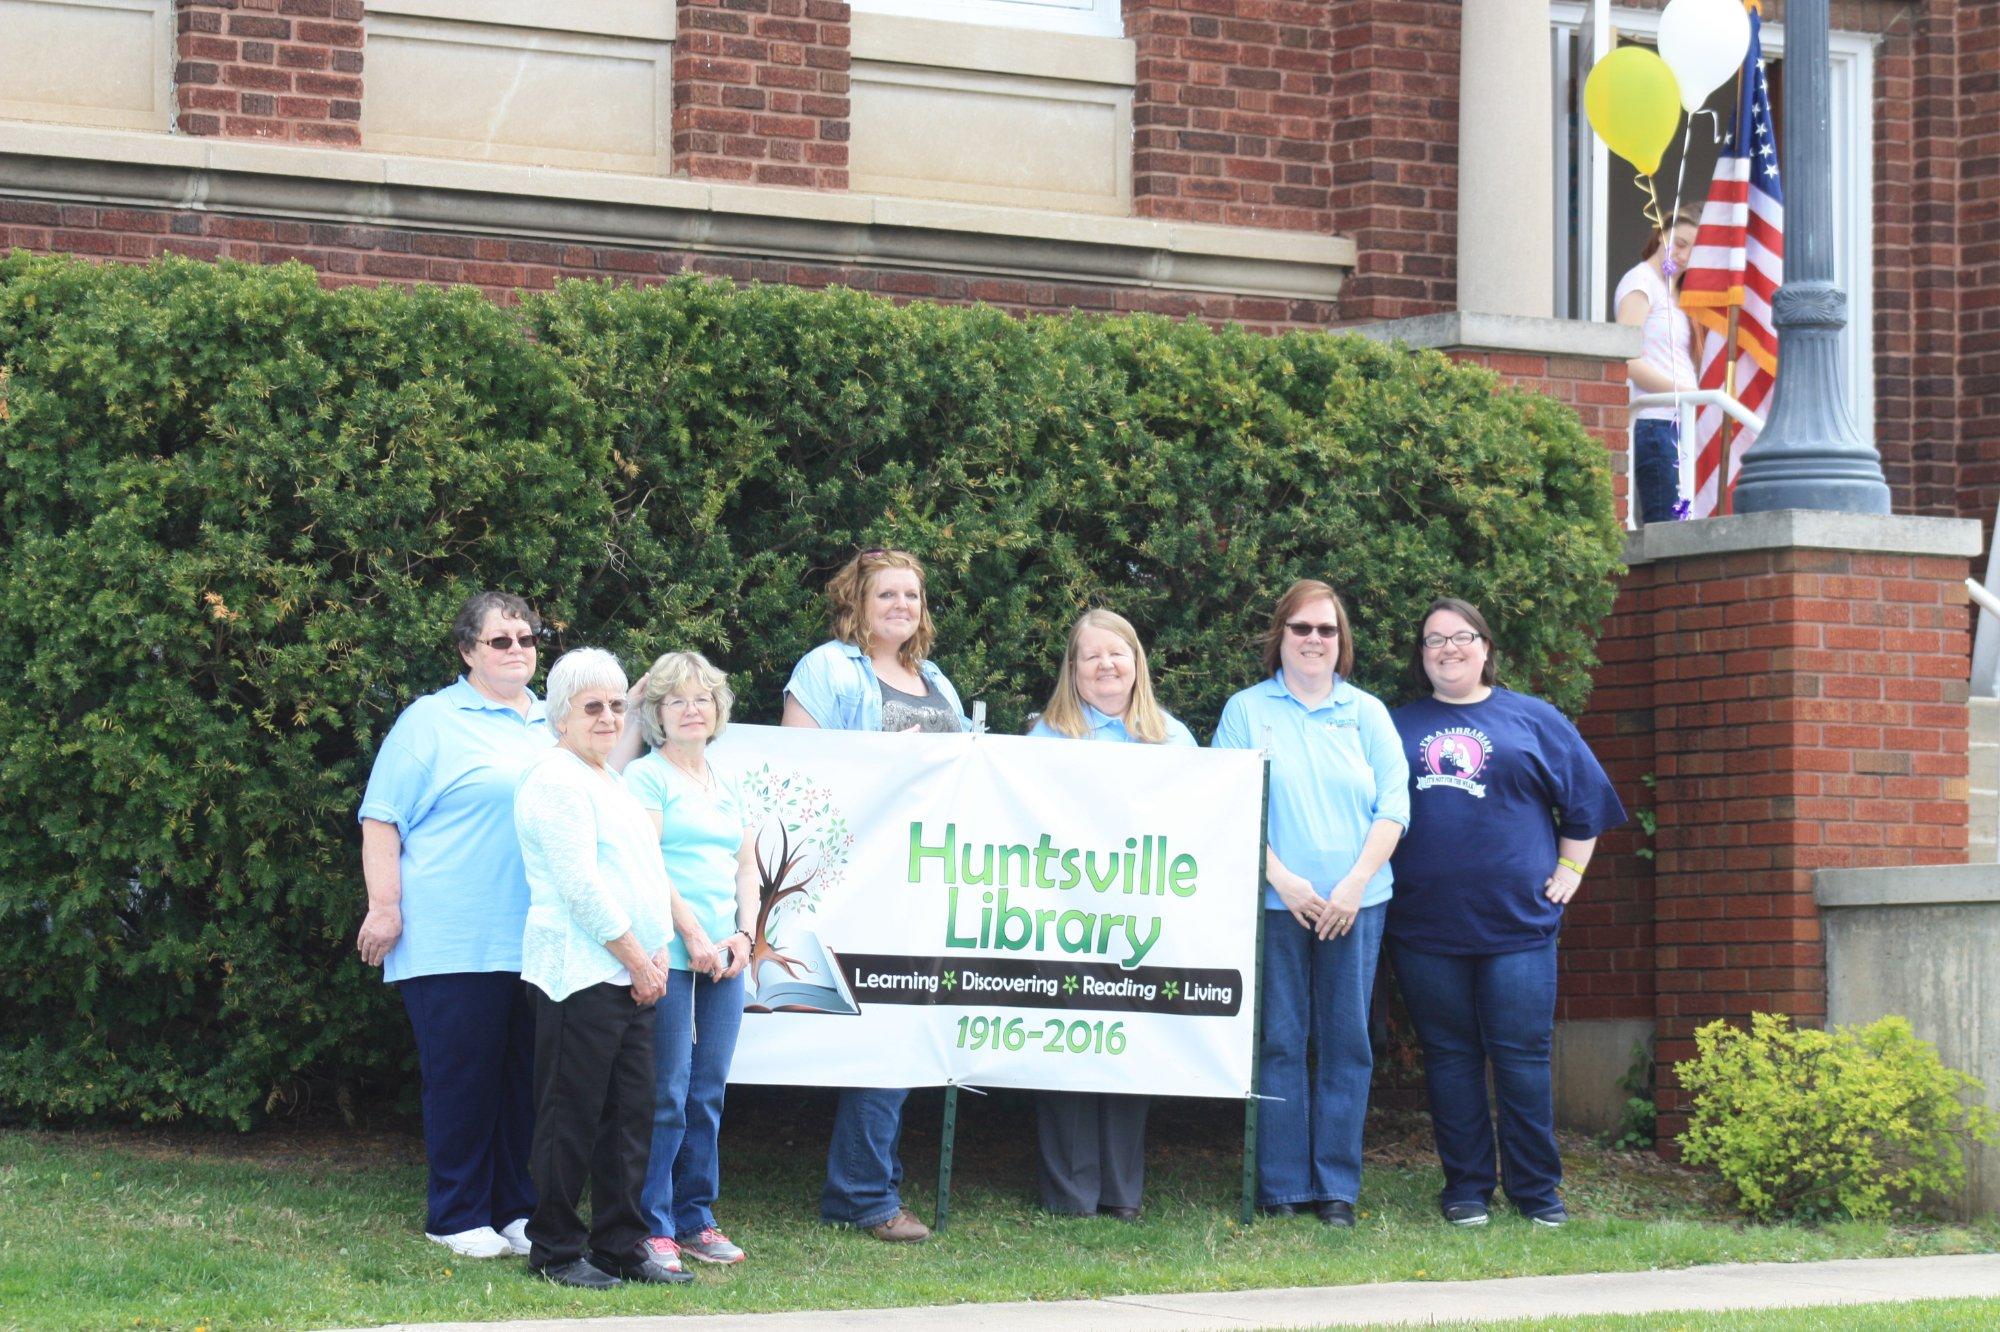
1340	801
875	674
1091	1147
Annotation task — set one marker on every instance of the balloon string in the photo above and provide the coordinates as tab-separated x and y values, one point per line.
1652	208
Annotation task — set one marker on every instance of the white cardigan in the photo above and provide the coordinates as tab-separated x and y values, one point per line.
594	872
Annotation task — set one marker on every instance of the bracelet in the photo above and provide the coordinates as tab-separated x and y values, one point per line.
1567	863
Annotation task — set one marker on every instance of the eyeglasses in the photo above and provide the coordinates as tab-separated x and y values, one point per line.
526	642
1301	629
1463	638
596	707
706	702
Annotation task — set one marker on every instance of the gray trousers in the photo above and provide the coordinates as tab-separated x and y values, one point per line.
1092	1152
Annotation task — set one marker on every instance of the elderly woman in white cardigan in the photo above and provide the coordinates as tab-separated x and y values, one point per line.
595	951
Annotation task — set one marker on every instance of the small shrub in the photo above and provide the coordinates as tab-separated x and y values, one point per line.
1813	1124
1638	1120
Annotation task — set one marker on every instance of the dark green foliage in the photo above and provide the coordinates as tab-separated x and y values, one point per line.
239	512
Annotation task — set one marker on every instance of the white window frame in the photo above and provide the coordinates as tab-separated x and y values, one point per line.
1092	18
1851	80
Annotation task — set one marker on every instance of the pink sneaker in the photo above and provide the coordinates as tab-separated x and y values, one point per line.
711	1246
665	1252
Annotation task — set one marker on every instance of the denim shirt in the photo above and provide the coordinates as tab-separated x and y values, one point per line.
837	686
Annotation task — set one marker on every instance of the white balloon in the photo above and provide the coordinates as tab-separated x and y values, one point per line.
1703	42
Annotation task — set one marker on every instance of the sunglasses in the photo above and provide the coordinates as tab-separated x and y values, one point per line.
528	642
596	707
1301	629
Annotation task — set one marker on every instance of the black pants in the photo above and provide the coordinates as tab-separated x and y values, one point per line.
594	1121
1092	1150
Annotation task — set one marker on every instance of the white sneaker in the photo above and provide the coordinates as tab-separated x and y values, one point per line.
516	1234
484	1242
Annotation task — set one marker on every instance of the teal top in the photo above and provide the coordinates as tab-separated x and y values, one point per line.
701	833
445	778
1112	729
1335	770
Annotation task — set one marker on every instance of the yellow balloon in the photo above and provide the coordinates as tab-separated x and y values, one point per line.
1634	104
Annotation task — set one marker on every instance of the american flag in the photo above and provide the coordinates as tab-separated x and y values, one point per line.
1738	260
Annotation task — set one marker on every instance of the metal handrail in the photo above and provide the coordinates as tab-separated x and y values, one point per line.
1742	415
1986	600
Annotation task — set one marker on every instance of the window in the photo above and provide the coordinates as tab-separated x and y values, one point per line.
1599	227
1097	18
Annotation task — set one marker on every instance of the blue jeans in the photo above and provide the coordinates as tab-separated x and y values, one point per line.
864	1167
694	1038
1656	468
1470	1011
1309	1137
476	1053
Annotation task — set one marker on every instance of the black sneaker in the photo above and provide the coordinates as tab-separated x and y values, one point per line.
1466	1213
578	1272
1555	1218
1338	1214
650	1271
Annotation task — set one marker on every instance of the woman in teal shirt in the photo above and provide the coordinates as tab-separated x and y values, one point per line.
1092	1147
1340	801
710	856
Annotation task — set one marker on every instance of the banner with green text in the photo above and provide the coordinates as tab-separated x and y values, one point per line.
999	911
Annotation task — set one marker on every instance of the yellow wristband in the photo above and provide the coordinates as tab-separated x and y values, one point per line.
1567	863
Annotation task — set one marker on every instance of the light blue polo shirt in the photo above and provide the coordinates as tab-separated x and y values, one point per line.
445	776
1112	729
837	685
701	833
1335	770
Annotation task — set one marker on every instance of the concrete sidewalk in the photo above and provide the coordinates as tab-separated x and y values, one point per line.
1724	1286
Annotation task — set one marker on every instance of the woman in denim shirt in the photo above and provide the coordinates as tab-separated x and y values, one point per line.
874	674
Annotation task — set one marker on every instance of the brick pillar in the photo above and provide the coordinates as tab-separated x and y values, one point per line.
1975	264
761	91
1808	682
1394	153
269	69
1231	115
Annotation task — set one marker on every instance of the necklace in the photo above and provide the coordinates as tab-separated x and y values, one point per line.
704	777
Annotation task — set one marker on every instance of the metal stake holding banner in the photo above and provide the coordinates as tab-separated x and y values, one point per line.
1256	997
949	1133
943	1213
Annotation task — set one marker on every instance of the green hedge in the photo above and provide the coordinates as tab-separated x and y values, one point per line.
239	511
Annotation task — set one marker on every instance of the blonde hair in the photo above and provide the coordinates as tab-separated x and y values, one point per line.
848	591
1297	595
1144	720
670	674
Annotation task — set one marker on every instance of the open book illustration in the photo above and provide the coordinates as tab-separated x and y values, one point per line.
798	975
811	984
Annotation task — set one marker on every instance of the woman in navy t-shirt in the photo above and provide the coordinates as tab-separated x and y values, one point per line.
1506	804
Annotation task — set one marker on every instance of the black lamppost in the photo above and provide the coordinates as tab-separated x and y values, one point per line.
1810	455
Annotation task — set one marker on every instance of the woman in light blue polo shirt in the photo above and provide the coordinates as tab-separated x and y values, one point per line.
710	854
873	675
1091	1155
1339	802
447	901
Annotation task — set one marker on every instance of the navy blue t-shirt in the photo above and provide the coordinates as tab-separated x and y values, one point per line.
1492	785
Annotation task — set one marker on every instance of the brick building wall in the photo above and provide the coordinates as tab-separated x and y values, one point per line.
269	69
761	91
1977	274
1231	117
1800	709
1394	154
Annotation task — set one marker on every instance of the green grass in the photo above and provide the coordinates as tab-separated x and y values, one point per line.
303	1228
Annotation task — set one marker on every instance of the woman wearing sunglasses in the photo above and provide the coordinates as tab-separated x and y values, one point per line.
1339	802
1509	804
447	901
595	950
874	674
